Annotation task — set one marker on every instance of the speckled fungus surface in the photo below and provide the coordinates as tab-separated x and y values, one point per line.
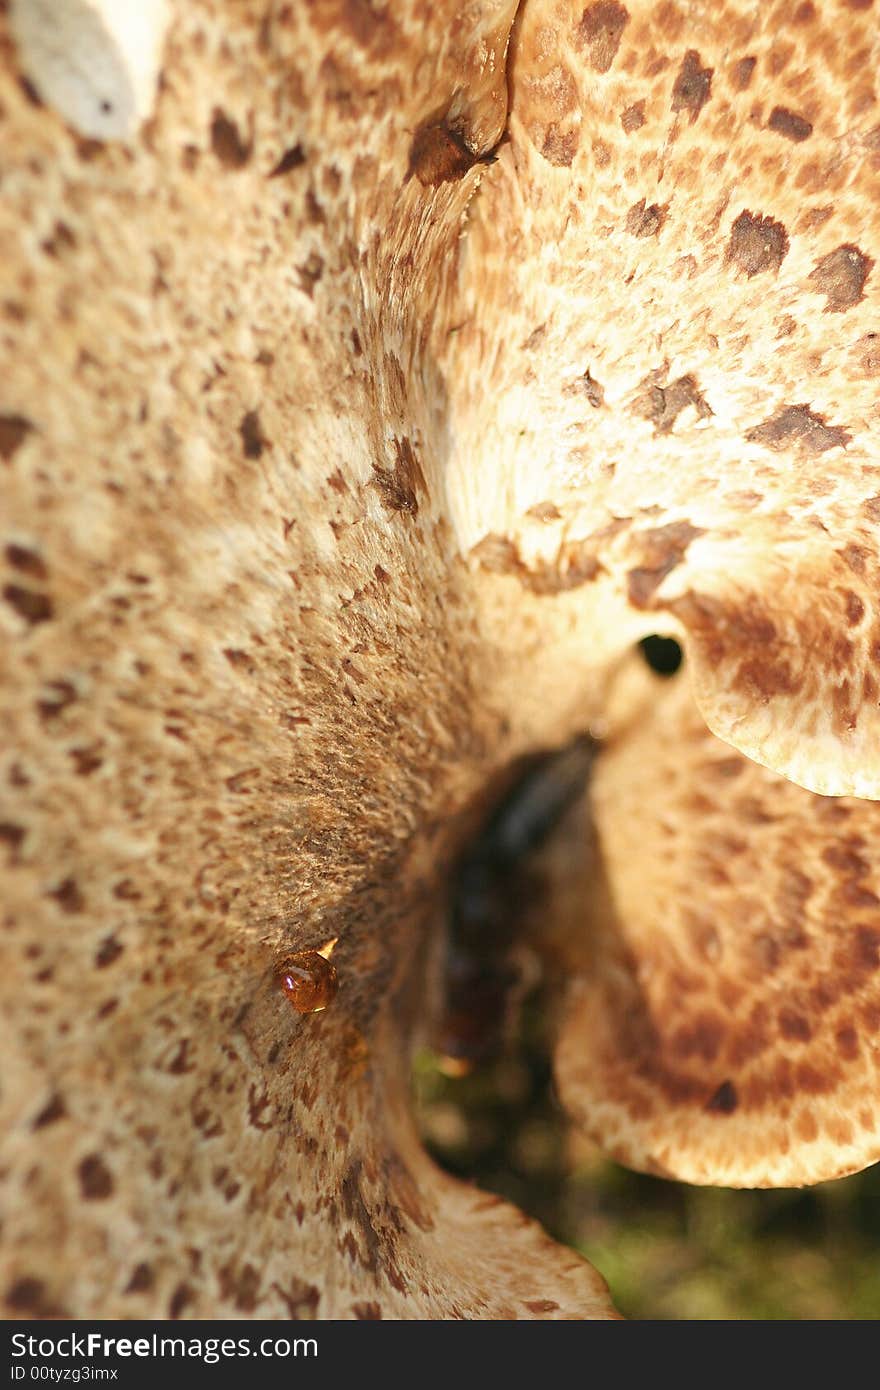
360	410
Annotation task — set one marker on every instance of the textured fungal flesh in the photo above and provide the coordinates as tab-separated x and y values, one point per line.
245	694
359	414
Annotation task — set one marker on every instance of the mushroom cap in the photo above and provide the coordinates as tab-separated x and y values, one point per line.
241	721
666	346
722	1024
346	451
667	349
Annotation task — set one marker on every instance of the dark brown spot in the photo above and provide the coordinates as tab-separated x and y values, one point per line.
399	487
662	405
855	557
11	835
847	1042
226	142
85	761
559	147
95	1178
702	1038
29	604
302	1299
724	1101
794	1026
594	392
841	277
438	155
291	159
30	91
239	659
866	947
742	73
757	243
763	677
14	430
403	1189
61	240
367	1312
663	548
182	1296
29	1296
789	124
633	118
27	561
52	1111
89	150
242	1286
68	896
252	437
855	608
542	1305
310	273
108	951
370	25
142	1279
644	221
800	427
870	1015
59	694
600	29
692	85
359	1214
241	782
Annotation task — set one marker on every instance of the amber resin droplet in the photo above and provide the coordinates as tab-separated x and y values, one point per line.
309	980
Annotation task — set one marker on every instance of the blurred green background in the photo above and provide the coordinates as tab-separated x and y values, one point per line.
666	1250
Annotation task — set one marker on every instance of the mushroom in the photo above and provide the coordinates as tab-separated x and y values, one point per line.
96	62
360	412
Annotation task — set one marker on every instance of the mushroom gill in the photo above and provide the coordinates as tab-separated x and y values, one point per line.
353	428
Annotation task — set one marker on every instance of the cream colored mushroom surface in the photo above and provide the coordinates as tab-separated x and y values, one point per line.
360	410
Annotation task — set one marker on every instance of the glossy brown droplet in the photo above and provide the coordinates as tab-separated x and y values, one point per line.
309	981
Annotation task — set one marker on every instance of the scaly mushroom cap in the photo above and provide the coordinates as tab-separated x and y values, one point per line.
245	696
343	467
725	1027
671	304
669	337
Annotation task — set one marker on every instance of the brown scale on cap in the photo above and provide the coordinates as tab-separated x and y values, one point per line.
383	246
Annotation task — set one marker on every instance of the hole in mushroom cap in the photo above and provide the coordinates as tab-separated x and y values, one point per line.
663	654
